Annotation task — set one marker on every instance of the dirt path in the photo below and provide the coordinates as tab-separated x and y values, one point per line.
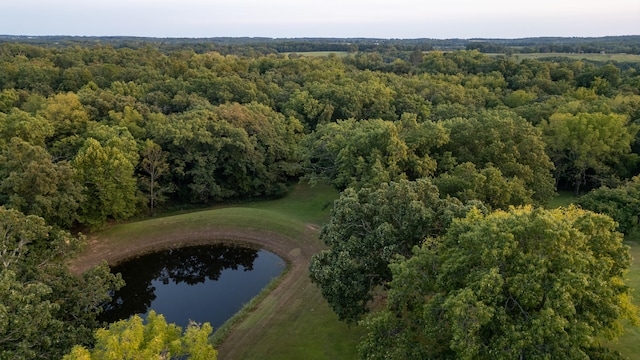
296	252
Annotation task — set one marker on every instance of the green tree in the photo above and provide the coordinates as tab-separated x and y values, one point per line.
621	203
132	340
368	228
229	151
21	124
505	141
488	185
587	147
44	309
363	153
154	165
525	283
107	174
32	183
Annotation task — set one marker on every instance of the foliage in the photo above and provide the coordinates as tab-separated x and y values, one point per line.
525	283
507	142
587	147
153	165
131	339
44	309
33	184
365	153
230	151
368	228
621	203
107	175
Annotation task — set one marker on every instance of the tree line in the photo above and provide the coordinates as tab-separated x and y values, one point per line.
92	134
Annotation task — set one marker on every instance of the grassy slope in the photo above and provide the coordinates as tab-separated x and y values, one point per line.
308	329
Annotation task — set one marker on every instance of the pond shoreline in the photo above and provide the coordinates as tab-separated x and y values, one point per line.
295	252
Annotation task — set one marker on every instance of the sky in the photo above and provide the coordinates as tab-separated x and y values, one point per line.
405	19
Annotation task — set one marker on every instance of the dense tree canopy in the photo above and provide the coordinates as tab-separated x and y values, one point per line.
505	141
527	283
621	203
96	131
589	145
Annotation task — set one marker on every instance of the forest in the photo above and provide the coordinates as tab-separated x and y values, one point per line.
427	146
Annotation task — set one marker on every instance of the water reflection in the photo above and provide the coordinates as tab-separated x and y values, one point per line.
202	283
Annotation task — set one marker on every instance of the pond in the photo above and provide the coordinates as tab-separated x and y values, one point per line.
207	283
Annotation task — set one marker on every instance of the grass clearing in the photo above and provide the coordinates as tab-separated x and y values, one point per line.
293	321
564	199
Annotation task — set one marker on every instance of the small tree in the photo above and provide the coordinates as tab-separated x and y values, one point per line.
154	165
131	339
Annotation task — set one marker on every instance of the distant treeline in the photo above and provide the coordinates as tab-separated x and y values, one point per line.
264	45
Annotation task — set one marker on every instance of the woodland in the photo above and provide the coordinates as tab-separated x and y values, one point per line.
446	159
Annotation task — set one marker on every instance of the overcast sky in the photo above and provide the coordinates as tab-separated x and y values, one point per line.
322	18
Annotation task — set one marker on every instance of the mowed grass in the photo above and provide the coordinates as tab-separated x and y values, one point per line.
564	199
309	329
286	216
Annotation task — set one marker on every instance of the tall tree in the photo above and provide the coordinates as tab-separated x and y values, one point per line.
154	165
107	174
525	283
32	183
365	153
587	147
368	228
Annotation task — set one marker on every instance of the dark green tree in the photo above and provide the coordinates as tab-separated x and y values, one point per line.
621	203
369	228
33	184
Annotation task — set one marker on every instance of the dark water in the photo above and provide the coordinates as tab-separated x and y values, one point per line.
201	283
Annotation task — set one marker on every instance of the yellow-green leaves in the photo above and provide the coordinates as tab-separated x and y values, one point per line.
522	283
132	339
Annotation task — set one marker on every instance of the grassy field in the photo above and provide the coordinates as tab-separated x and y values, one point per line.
298	324
292	324
564	198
